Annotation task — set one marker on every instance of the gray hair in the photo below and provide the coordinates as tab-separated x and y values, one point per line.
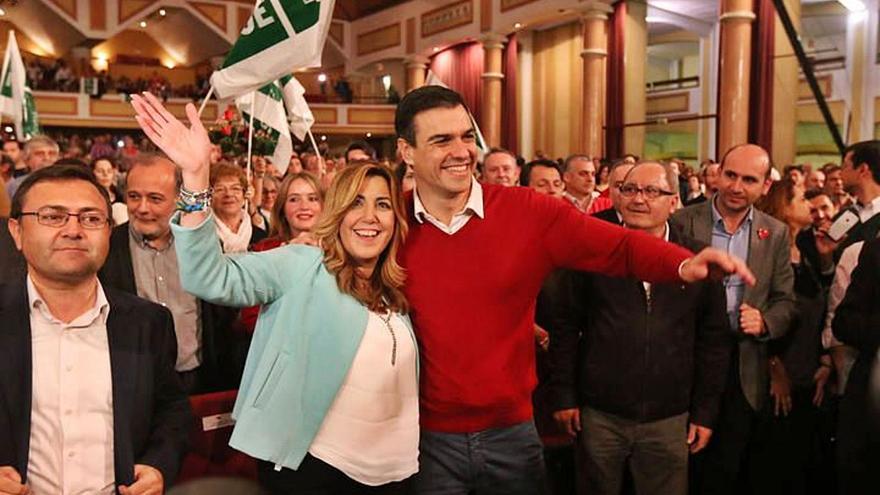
671	176
40	141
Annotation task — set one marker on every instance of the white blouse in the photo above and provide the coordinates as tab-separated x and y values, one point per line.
371	432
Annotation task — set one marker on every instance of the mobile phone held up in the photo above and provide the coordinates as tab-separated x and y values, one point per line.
844	222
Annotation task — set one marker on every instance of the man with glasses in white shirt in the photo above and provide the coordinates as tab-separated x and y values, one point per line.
86	373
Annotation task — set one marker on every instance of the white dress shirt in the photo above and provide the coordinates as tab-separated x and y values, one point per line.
71	438
371	432
474	206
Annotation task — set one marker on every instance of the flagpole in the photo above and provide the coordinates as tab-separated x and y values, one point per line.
251	136
317	152
205	101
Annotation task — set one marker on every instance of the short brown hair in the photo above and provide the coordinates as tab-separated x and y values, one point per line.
222	170
386	283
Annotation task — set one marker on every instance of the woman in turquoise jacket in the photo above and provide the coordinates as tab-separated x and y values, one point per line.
329	398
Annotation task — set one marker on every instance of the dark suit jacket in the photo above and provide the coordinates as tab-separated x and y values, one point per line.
676	346
609	215
219	356
12	263
770	260
151	414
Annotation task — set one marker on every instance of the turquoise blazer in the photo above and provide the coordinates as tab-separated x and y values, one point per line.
305	341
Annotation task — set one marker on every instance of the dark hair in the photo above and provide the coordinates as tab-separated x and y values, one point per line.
107	159
421	100
57	173
567	163
814	193
868	153
541	162
830	168
363	146
789	168
72	161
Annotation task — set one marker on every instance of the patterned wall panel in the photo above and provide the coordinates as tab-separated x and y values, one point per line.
128	8
337	32
512	4
58	105
68	6
447	17
378	39
98	14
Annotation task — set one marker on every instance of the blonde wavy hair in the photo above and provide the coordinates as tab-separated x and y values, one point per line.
385	289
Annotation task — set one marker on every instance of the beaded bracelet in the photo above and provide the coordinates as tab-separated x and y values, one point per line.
190	202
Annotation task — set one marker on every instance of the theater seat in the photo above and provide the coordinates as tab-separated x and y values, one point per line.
210	454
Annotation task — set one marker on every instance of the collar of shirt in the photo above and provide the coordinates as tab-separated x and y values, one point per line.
718	220
869	210
39	307
474	203
142	243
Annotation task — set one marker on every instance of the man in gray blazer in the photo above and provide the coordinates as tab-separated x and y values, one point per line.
758	314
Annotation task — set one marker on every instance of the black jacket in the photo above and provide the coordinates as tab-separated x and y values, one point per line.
12	263
222	358
151	413
609	215
857	319
616	351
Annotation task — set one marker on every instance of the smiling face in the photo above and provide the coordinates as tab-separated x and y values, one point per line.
150	196
228	196
67	254
270	193
644	213
302	206
368	225
444	154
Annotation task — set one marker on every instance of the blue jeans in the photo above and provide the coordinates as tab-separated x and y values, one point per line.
503	461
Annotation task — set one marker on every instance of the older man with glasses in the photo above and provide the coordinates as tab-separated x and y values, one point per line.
637	416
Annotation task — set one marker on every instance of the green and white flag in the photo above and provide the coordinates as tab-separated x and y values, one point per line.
16	100
270	117
298	112
280	37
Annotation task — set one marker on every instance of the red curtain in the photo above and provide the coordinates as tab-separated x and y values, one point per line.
614	104
461	68
509	121
761	79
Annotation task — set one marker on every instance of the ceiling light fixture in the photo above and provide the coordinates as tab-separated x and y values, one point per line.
143	24
517	25
2	12
162	12
322	77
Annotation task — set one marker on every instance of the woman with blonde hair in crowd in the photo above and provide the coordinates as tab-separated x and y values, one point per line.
329	399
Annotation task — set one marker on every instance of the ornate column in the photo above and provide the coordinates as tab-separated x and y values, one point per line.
594	18
635	59
735	69
415	71
493	44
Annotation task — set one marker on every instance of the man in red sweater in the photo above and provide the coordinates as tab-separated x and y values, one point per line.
476	257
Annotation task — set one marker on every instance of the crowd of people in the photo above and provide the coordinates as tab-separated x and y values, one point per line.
447	322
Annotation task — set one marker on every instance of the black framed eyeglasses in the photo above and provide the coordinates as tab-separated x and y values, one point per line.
58	217
650	192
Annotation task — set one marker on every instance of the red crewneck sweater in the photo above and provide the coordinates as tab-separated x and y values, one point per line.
473	298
